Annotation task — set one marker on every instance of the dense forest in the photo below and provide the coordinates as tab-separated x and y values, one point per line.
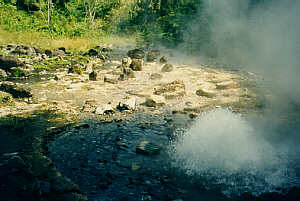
151	21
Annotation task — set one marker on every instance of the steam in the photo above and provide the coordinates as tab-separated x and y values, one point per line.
263	38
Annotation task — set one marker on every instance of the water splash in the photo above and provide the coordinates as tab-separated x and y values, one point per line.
225	150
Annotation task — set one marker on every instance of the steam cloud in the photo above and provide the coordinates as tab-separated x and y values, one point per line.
264	38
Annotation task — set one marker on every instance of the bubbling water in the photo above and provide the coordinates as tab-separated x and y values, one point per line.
225	150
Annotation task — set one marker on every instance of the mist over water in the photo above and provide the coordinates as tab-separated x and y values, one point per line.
224	148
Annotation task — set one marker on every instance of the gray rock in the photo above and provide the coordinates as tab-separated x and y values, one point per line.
137	64
104	109
136	54
15	90
147	148
167	68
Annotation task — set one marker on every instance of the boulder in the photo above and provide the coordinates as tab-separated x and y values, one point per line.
15	90
129	104
152	55
206	93
136	54
7	62
104	109
163	60
3	75
171	90
137	64
167	68
147	148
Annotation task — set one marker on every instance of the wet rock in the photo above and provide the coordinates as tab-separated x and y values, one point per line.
129	104
15	90
167	68
23	50
137	64
6	98
205	92
76	69
156	76
136	54
227	85
163	60
3	75
152	55
155	101
171	90
104	109
147	148
7	62
126	62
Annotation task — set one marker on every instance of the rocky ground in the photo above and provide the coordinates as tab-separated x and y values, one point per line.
48	93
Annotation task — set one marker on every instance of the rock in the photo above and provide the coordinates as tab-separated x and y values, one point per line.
163	60
38	50
104	109
136	54
129	104
7	62
54	53
19	72
23	50
152	55
93	76
155	101
6	98
62	49
227	85
15	90
93	52
75	69
205	92
126	62
156	76
147	148
89	68
3	75
137	64
110	80
171	90
126	74
167	68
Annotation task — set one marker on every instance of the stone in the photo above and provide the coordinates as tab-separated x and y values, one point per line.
93	76
156	76
126	74
6	98
137	64
126	62
205	92
19	72
62	49
7	62
15	90
3	75
93	52
110	80
154	101
76	69
129	104
167	68
23	50
152	55
136	54
104	109
171	90
147	148
54	53
163	60
227	85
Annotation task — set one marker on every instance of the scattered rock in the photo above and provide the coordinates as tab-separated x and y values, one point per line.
227	85
23	50
7	62
126	62
54	53
156	76
137	64
129	104
3	75
171	90
205	92
104	109
136	54
15	90
147	148
167	68
75	69
152	55
163	60
155	101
